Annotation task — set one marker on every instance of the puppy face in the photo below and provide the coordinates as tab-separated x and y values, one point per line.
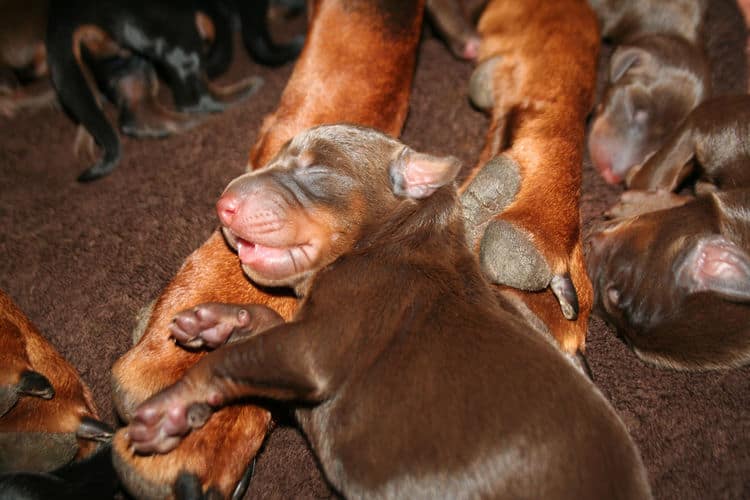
319	195
651	270
653	85
631	264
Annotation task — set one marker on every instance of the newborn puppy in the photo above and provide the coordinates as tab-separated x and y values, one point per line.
176	37
658	73
713	143
47	414
376	43
675	283
410	377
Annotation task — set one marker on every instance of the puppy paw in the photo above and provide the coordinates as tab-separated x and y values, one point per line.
508	257
208	325
488	194
213	324
213	460
161	422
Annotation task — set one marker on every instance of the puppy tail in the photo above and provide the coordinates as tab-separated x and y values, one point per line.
257	39
75	92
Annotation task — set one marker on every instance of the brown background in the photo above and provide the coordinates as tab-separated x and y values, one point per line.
82	259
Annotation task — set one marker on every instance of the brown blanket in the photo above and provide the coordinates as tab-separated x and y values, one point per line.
81	260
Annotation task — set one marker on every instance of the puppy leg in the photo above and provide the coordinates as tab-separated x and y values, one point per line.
534	242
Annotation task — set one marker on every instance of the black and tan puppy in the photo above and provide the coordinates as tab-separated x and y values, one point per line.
177	37
658	73
438	390
91	477
47	414
675	283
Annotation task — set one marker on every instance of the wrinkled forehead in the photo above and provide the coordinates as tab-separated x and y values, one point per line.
344	147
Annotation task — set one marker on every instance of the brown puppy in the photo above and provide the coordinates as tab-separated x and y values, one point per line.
376	43
675	283
389	386
713	142
47	414
658	73
22	55
536	76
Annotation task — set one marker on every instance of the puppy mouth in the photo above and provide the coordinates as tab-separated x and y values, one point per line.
270	262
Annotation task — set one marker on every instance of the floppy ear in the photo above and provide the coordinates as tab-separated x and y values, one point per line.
625	58
418	175
717	265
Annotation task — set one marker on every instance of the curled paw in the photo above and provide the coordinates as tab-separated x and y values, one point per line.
209	325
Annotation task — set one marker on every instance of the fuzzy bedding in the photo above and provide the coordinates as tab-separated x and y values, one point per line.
82	259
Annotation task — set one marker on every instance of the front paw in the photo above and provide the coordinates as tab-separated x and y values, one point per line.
208	325
162	421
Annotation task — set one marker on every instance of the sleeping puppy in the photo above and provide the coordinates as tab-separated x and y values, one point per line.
675	283
712	144
387	386
658	73
377	44
47	414
176	37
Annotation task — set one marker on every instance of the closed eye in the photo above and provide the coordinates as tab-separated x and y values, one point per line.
312	170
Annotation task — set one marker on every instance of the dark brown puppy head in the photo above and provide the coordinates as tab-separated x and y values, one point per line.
673	287
654	82
325	189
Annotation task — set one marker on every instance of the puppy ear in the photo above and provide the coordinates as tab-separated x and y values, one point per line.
418	175
625	58
717	265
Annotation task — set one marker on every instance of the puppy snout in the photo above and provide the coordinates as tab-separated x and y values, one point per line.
227	208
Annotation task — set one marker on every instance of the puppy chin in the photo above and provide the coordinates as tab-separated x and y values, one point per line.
263	280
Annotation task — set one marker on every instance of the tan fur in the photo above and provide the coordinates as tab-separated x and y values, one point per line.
22	347
543	89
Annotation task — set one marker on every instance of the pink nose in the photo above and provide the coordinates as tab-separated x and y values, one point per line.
227	207
601	158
